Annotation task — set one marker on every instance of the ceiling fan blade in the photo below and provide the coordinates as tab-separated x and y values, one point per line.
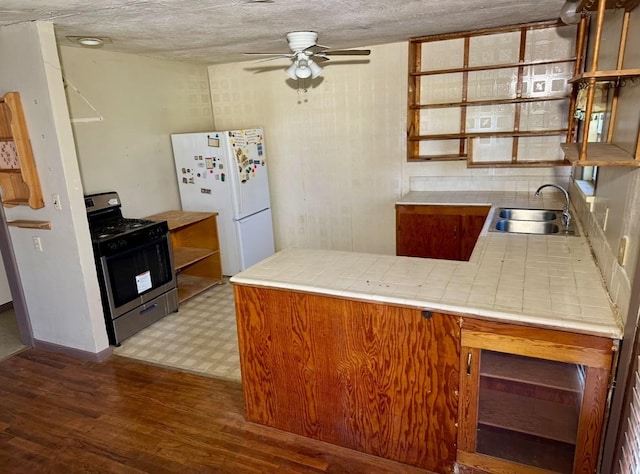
278	55
347	52
272	58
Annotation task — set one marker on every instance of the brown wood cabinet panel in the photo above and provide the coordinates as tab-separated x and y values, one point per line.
376	378
431	231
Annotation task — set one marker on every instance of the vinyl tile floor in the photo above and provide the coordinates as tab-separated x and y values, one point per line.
200	337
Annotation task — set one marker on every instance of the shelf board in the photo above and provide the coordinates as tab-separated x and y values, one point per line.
519	163
540	372
476	103
611	75
508	133
450	157
15	202
28	224
528	415
190	285
10	170
492	66
178	219
525	450
184	256
599	154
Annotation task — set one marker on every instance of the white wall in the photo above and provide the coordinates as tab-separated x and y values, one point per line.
338	152
60	284
5	291
141	101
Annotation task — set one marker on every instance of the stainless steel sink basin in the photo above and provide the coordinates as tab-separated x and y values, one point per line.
531	221
529	214
527	227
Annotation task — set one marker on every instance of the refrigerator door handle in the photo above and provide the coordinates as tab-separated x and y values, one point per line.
250	215
236	177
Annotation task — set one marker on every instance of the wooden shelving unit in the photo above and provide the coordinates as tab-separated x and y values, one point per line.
20	184
196	250
588	153
445	121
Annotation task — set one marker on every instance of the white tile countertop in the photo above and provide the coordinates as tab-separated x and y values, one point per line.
547	281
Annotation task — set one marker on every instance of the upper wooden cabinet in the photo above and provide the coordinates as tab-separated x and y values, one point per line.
493	97
616	72
18	174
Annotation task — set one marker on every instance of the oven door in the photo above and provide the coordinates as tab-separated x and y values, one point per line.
137	275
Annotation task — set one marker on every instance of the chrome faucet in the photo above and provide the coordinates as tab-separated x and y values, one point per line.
566	217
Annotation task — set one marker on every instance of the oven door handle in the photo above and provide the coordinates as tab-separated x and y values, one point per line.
150	308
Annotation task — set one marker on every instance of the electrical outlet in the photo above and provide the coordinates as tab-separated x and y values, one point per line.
56	201
37	244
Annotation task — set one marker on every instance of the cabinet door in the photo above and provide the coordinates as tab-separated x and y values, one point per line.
427	231
531	400
375	378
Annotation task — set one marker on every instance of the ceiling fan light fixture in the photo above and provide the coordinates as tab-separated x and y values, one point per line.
303	71
315	69
301	40
291	70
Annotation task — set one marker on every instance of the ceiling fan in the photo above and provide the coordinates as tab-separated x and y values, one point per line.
306	54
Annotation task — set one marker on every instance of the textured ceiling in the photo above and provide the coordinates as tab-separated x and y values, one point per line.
219	31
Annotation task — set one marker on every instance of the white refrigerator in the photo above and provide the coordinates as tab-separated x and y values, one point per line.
226	172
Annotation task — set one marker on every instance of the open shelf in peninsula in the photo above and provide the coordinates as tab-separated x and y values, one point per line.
196	251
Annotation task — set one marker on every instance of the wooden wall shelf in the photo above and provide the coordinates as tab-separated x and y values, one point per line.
524	82
26	224
21	184
598	154
588	153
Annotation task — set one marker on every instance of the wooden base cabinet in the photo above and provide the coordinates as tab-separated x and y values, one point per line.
446	232
196	251
531	400
372	377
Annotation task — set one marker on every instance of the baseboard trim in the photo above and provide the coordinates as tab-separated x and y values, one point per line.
76	353
6	306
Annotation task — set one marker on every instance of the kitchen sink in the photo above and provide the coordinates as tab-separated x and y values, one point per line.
526	227
531	221
529	214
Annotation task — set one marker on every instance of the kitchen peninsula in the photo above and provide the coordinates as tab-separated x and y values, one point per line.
402	357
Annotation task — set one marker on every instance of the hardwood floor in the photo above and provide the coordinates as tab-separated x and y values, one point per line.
60	414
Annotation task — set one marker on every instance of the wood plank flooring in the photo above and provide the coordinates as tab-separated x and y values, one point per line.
60	414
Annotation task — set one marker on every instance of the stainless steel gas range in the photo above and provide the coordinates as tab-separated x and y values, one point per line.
135	267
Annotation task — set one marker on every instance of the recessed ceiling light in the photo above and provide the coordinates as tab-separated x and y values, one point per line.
91	41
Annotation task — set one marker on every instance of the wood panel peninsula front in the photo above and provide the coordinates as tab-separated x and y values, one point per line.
500	364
